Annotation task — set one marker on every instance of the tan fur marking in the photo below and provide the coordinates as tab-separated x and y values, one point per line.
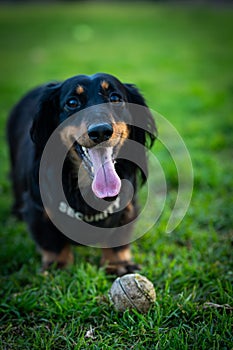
64	258
109	256
47	214
68	135
120	128
104	85
80	89
130	211
71	133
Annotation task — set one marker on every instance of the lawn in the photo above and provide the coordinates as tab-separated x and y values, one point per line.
181	59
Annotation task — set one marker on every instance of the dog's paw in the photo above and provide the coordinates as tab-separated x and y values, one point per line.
122	268
57	260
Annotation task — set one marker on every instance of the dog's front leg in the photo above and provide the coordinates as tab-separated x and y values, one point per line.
60	260
118	260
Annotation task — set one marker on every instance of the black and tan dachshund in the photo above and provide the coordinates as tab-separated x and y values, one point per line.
103	134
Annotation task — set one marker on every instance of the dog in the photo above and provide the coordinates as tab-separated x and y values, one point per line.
93	163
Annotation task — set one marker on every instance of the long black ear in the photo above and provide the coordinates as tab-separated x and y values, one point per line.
47	115
147	132
143	117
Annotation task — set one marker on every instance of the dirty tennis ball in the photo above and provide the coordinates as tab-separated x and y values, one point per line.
132	291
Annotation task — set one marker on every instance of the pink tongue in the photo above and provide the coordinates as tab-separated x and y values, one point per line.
106	182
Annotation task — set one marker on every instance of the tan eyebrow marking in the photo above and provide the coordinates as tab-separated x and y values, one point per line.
80	90
104	85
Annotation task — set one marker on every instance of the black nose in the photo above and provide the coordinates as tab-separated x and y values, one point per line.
100	132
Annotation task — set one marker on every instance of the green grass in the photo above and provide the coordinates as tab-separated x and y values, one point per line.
181	58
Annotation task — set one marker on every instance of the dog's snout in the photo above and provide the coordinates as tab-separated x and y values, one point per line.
100	132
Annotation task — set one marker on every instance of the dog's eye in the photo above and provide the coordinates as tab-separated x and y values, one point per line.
115	98
72	103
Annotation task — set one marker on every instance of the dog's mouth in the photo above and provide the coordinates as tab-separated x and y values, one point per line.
99	163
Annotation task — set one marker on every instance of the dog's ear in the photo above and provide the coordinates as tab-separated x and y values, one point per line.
141	116
47	115
146	133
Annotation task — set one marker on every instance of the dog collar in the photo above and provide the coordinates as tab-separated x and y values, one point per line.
66	209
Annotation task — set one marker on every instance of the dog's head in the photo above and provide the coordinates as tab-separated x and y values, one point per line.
106	119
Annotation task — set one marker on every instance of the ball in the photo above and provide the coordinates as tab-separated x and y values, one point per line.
132	291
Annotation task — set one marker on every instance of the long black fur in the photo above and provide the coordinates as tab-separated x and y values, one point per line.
30	125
